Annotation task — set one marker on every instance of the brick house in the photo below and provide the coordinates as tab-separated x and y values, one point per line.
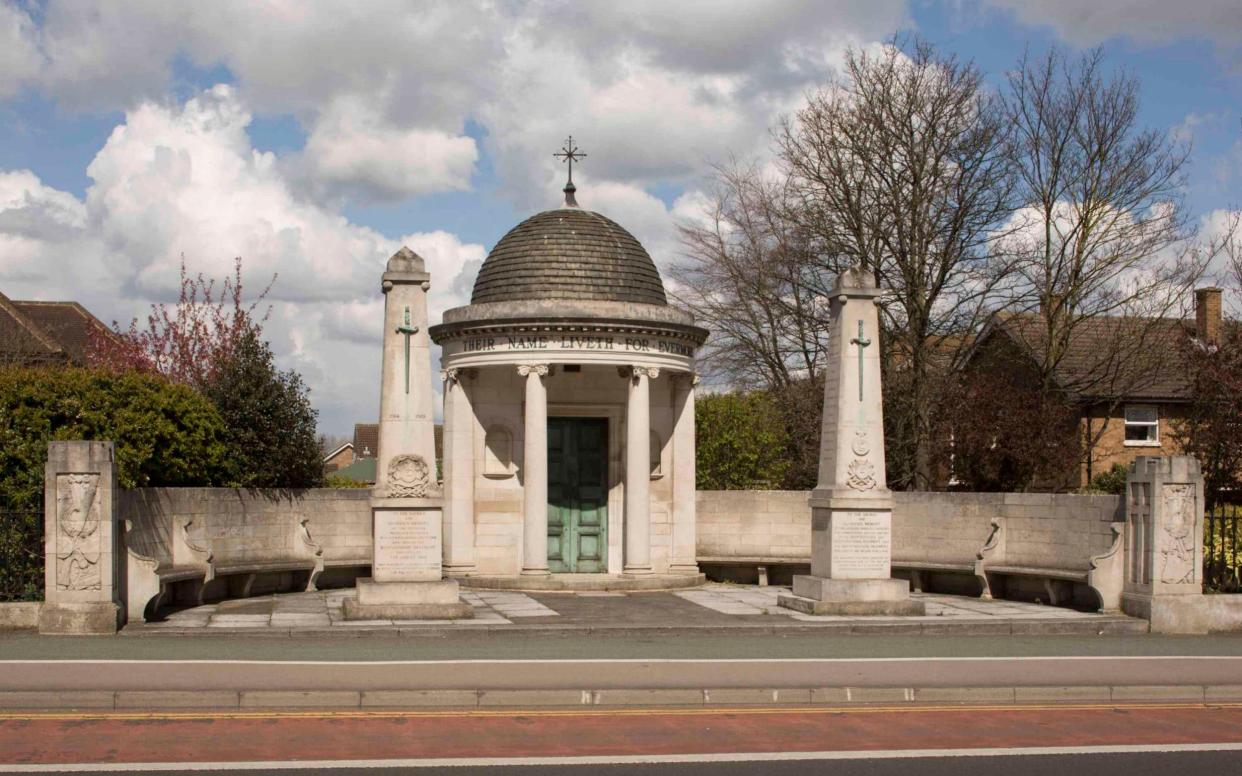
339	458
356	460
1129	391
35	333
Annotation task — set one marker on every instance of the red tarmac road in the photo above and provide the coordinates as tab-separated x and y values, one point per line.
63	738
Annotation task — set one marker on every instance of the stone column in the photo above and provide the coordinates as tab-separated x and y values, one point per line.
535	472
407	425
638	471
1164	542
458	474
851	506
82	541
683	557
407	504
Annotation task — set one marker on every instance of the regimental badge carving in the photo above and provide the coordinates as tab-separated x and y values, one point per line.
1178	548
861	474
860	445
77	522
408	477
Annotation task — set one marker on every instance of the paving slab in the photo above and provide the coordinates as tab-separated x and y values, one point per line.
736	608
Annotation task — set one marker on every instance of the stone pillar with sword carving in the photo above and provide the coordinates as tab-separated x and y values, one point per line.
851	506
407	502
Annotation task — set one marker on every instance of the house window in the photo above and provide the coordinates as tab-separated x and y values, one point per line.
1142	425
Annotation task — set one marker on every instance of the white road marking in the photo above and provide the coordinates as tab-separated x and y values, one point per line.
553	661
483	762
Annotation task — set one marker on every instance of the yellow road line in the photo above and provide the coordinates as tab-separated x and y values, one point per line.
586	711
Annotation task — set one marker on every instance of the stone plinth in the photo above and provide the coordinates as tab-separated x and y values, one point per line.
82	541
817	595
438	600
406	576
851	508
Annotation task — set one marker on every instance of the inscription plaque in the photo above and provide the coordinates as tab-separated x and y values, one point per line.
407	545
861	544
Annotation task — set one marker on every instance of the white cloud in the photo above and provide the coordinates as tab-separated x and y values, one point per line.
19	56
1145	21
384	88
176	180
352	151
385	91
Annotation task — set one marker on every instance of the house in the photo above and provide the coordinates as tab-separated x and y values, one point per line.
339	458
34	333
356	460
1123	376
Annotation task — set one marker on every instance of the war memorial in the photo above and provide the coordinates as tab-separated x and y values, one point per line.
568	467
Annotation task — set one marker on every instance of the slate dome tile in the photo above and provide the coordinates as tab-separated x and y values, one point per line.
569	254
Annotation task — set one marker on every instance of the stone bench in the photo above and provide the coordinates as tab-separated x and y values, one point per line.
173	571
760	563
297	554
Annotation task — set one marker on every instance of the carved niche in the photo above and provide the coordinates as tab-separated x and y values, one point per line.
1177	550
409	476
77	525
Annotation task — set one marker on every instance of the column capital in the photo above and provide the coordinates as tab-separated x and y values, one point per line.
688	379
528	369
456	374
650	372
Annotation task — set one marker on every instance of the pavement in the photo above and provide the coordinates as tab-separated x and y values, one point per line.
712	607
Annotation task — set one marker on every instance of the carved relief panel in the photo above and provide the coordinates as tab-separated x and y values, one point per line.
1177	539
78	516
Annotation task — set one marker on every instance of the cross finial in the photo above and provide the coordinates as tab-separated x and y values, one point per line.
569	153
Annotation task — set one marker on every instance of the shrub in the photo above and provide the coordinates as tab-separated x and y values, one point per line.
741	442
165	434
339	481
1112	481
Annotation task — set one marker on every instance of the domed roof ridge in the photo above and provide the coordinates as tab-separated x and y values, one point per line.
569	253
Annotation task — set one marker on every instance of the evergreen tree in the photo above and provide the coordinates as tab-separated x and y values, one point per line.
270	423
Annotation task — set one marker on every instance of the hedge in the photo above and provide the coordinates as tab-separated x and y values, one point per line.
165	434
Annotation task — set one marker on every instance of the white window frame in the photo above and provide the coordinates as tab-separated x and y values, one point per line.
1152	424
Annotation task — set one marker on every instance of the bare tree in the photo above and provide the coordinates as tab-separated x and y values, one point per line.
750	276
901	166
1105	254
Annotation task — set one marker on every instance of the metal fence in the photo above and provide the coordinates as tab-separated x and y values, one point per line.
1222	558
21	555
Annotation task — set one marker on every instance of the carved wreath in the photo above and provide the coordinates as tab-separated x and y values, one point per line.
408	477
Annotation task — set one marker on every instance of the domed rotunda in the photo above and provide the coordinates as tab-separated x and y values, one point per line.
569	414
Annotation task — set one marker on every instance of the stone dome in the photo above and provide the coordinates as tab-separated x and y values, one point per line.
569	254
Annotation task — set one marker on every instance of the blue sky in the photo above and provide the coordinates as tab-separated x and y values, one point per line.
315	139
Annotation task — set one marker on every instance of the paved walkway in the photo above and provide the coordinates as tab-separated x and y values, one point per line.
712	606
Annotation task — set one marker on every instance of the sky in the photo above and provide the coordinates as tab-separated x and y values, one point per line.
315	139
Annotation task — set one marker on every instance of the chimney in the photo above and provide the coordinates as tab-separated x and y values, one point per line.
1207	315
